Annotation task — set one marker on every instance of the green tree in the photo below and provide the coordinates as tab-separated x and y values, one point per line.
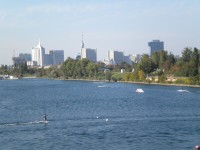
84	62
194	63
141	75
78	71
163	58
187	54
68	67
91	69
129	76
156	59
108	75
171	59
145	65
124	65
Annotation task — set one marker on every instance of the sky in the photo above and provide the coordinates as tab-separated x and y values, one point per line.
123	25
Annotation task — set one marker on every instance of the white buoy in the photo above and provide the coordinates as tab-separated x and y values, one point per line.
97	117
106	119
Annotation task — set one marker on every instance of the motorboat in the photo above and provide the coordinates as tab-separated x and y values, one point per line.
139	91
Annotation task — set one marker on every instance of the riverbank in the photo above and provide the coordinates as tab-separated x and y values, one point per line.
164	84
132	82
31	77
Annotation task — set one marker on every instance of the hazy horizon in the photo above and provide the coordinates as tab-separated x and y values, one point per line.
126	25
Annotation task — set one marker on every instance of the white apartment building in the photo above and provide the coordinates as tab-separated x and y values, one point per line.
38	55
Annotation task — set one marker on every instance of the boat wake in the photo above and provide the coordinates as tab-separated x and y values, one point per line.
23	123
101	86
107	86
183	91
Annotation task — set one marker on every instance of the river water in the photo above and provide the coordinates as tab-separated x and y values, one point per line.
97	116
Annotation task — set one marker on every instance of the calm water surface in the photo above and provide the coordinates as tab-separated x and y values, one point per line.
97	115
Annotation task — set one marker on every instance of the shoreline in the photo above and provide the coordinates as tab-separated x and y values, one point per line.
31	77
132	82
164	84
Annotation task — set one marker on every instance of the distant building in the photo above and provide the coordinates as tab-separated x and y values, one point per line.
17	61
156	46
138	58
107	62
90	54
115	57
47	60
21	59
38	55
130	59
31	63
25	56
56	57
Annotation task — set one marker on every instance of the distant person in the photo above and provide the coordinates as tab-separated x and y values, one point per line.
45	117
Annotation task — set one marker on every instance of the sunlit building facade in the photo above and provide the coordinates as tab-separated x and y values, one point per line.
38	55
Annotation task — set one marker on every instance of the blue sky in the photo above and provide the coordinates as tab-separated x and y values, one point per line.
124	25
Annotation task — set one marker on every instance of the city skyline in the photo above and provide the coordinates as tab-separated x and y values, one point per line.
106	25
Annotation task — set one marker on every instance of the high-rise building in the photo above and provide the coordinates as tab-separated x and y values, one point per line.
115	57
25	56
17	61
130	59
47	60
90	54
21	59
156	46
56	56
38	55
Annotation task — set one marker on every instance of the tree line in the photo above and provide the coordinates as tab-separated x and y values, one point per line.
160	64
163	64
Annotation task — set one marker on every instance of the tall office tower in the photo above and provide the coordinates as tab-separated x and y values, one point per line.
115	57
156	46
38	55
56	56
90	54
25	56
17	61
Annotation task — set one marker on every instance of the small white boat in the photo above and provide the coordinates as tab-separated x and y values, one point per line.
139	91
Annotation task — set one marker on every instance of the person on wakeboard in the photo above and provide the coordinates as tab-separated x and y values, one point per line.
45	117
